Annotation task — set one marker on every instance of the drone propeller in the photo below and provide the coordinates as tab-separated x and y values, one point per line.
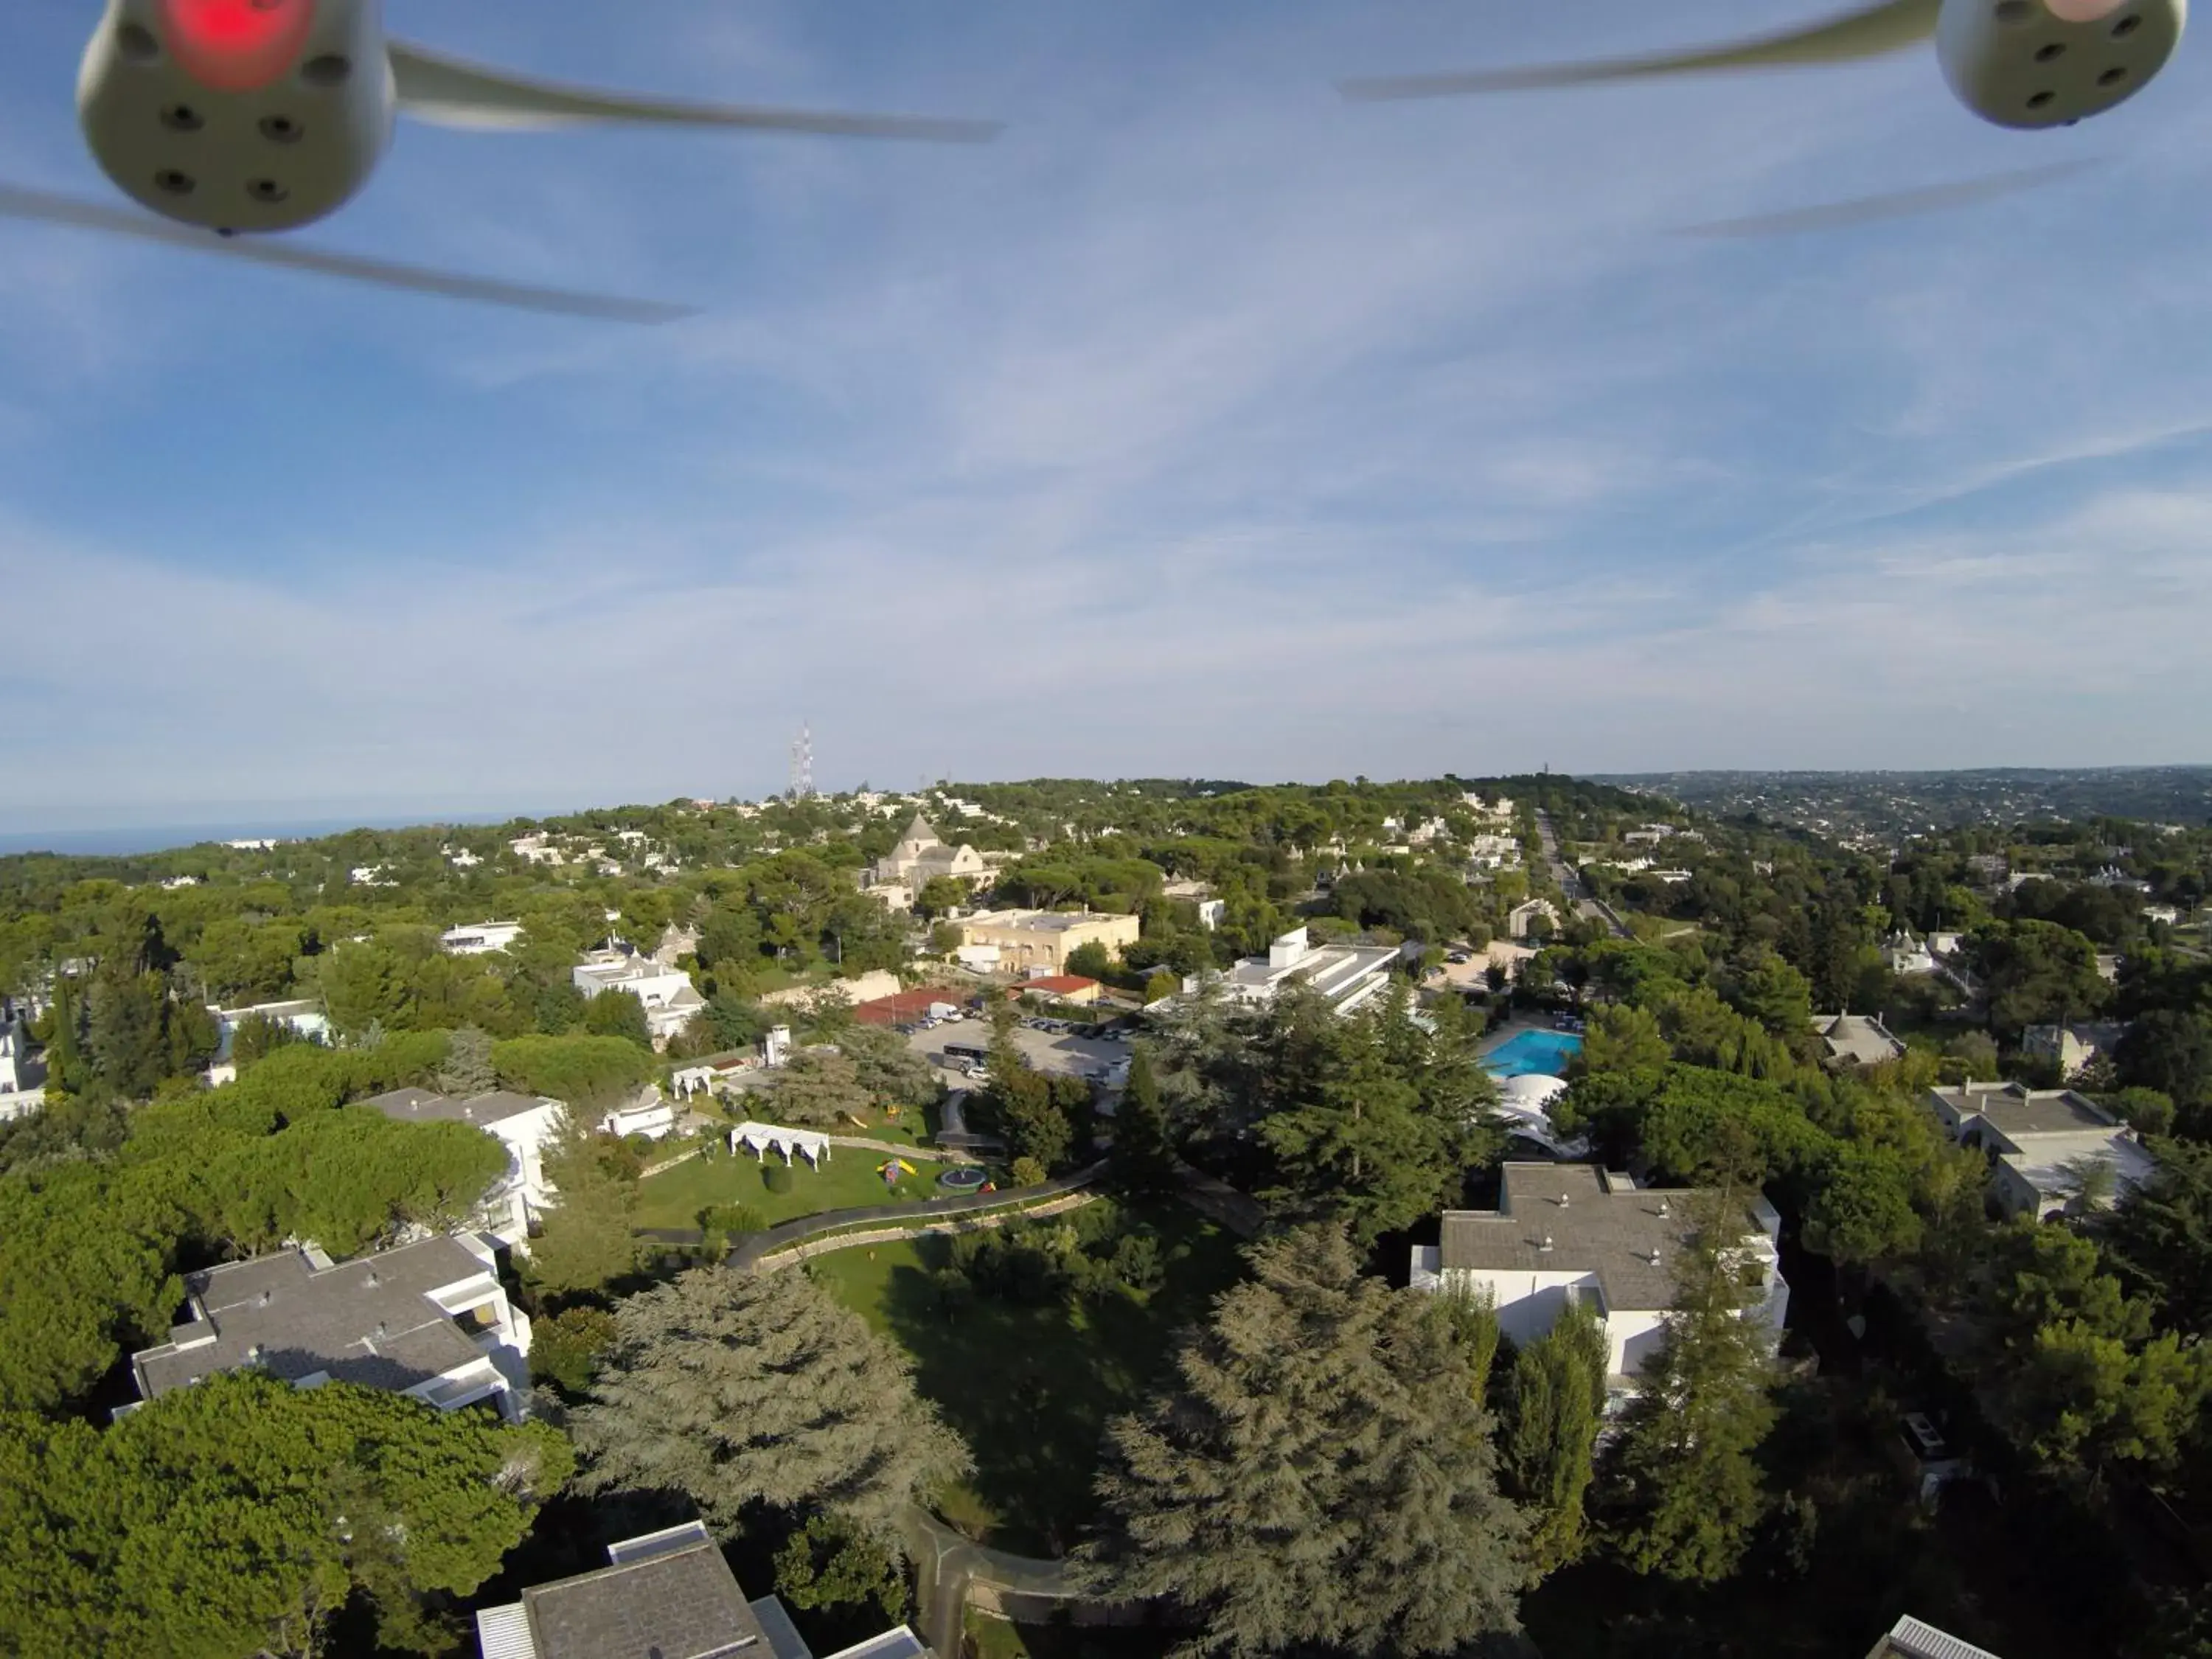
19	203
1895	204
450	92
1890	26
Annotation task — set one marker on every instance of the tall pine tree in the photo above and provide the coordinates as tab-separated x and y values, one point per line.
1142	1161
1683	1482
1320	1476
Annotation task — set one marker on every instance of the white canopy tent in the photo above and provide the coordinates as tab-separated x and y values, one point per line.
761	1138
1524	1104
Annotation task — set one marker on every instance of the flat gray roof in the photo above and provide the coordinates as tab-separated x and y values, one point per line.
422	1106
1038	921
368	1320
1605	1226
2016	1110
683	1604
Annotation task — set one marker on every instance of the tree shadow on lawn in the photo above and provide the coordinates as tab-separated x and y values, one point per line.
1031	1388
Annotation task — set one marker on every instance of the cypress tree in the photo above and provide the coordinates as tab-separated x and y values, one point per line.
1558	1400
1142	1161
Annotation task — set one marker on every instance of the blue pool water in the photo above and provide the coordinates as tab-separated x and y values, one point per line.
1524	1051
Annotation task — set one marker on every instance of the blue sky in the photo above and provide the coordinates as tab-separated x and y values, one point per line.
1203	425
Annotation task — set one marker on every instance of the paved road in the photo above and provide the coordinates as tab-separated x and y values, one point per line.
1571	885
946	1564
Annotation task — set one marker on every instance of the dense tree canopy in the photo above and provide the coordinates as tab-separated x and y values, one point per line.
738	1390
88	1249
237	1517
1319	1478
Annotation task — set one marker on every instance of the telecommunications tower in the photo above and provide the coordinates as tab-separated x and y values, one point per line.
802	765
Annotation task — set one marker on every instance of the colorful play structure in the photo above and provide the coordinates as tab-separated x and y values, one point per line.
889	1168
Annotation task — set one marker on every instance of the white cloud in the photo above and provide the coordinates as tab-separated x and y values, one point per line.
1269	436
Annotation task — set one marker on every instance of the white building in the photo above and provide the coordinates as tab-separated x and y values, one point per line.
428	1320
535	849
668	1595
1857	1039
304	1016
478	938
652	1116
1523	917
2040	1142
922	856
1491	851
669	998
1573	1231
2072	1048
22	1077
1906	955
525	1124
1349	975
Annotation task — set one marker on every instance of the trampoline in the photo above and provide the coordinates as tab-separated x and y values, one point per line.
966	1178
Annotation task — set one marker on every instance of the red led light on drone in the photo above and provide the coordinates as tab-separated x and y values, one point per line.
237	45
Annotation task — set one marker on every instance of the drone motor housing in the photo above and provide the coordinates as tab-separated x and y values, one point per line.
2023	64
256	115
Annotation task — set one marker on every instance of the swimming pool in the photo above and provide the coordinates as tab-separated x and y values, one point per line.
1545	1053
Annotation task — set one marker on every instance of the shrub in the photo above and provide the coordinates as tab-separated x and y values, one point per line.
729	1219
1137	1261
1027	1172
776	1178
565	1349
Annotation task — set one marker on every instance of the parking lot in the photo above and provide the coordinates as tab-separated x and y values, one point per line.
1047	1050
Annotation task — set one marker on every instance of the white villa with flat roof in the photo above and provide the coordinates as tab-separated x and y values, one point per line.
22	1077
666	1595
428	1320
476	938
525	1124
1565	1232
2039	1141
669	998
1349	975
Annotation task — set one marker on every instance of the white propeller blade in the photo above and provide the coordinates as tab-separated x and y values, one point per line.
435	87
19	203
1891	26
1896	205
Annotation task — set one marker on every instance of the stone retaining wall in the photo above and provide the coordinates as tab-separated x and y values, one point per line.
768	1264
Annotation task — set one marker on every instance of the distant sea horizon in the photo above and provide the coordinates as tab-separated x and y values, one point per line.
130	840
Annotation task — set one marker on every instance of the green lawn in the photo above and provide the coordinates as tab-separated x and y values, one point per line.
848	1180
1030	1389
999	1638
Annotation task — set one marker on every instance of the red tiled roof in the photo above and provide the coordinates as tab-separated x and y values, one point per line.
907	1005
1058	985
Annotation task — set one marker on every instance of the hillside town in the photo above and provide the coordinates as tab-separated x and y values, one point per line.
865	1225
